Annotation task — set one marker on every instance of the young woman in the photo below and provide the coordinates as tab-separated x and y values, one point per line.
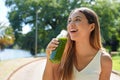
83	57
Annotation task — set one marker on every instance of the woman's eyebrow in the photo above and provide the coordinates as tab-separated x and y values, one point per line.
78	17
75	17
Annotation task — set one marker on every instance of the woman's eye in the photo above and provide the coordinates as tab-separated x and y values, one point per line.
77	20
73	20
69	21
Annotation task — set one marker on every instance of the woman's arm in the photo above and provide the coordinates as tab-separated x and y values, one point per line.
106	66
50	72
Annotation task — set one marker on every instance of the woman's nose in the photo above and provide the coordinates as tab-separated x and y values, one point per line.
71	24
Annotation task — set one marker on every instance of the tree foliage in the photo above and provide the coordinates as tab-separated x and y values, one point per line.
6	36
108	13
53	17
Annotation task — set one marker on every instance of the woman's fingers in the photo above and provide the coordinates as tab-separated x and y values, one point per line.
55	41
52	46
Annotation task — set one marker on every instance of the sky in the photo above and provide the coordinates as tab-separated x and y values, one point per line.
3	12
3	17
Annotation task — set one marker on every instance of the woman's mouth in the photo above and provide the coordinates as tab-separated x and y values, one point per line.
73	30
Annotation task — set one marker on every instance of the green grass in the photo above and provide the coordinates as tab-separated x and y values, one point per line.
116	63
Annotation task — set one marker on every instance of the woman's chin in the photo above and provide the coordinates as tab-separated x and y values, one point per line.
73	39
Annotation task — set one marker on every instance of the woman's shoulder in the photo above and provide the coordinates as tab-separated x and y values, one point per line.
105	56
106	60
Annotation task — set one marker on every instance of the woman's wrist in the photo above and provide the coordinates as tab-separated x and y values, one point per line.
48	52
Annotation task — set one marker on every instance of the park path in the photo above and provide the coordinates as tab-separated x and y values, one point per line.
34	71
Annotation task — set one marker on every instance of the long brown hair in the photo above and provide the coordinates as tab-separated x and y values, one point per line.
66	65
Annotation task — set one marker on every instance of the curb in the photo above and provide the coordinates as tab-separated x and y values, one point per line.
116	72
8	78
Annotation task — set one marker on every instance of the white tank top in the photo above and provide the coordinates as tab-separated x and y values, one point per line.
91	71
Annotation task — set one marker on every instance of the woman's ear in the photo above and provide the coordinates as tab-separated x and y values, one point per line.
92	27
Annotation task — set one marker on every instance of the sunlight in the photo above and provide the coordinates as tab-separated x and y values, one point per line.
26	29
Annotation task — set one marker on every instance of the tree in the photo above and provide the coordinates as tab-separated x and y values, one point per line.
6	36
53	17
108	13
50	21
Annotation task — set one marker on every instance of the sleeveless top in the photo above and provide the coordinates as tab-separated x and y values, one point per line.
91	71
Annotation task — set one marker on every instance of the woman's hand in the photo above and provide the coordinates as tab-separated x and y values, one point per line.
53	44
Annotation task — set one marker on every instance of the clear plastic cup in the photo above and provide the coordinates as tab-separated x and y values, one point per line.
56	55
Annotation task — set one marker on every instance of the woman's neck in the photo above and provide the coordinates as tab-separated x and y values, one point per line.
84	48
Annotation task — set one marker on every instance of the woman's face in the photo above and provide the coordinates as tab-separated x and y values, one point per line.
78	26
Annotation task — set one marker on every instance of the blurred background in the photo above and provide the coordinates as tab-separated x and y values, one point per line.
26	26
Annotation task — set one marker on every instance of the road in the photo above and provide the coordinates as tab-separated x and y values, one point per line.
114	77
34	71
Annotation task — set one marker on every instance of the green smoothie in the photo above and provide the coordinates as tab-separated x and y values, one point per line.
56	55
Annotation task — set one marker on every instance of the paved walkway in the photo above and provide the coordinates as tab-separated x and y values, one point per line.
34	71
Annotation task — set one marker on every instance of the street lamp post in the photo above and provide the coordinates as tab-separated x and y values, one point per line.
36	32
